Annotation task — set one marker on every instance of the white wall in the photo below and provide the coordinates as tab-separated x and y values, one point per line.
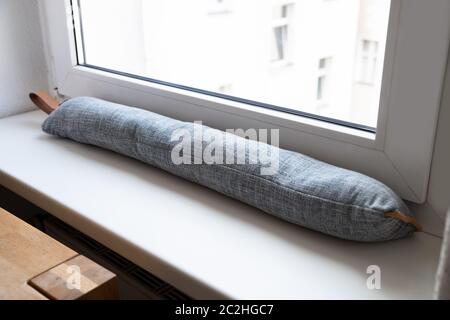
22	62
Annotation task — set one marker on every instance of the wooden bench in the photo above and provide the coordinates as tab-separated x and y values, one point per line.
36	267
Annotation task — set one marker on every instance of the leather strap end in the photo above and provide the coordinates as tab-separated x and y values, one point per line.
44	101
403	217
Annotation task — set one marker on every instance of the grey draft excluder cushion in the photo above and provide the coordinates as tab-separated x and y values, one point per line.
304	191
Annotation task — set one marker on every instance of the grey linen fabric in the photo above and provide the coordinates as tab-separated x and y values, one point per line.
304	191
442	288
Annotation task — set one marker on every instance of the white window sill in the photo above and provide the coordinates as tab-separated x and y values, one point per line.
203	243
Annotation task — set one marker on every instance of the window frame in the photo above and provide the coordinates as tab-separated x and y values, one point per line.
399	154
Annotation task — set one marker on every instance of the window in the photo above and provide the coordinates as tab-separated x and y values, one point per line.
323	79
281	22
179	43
175	58
281	42
368	63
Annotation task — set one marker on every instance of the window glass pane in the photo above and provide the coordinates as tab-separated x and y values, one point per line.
266	52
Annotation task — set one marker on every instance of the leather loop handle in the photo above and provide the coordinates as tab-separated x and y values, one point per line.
44	101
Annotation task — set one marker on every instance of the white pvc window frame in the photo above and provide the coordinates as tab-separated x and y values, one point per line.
399	154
